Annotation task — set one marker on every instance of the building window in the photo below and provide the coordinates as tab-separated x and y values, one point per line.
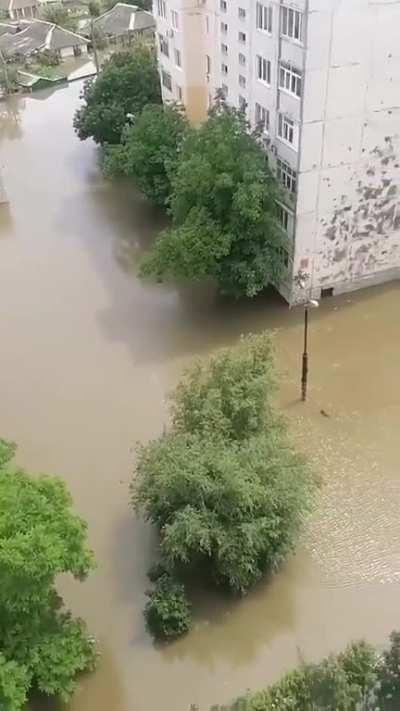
207	24
208	64
242	103
224	48
166	79
242	37
288	131
224	28
242	81
262	117
178	60
291	23
242	59
290	79
164	48
224	69
264	17
161	8
284	257
287	176
224	90
263	69
175	19
284	216
242	13
179	92
223	5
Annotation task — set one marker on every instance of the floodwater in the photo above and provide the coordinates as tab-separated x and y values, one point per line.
87	355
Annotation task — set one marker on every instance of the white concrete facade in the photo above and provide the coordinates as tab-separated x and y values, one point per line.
324	77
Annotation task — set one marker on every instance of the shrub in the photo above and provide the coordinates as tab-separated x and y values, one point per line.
167	612
343	683
224	487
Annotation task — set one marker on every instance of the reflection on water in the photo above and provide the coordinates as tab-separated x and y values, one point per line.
87	355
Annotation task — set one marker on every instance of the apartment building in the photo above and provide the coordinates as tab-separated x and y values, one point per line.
322	77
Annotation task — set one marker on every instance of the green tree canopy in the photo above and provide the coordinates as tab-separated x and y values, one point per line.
40	537
58	14
149	151
14	684
127	82
223	205
223	486
344	683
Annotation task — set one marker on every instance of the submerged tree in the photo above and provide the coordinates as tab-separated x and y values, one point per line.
127	82
347	682
223	205
149	151
42	646
223	486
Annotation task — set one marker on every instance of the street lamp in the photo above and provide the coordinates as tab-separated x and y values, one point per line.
301	279
311	304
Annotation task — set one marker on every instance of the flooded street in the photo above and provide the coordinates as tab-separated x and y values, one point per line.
87	355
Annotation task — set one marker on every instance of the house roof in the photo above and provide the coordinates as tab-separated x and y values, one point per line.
4	27
123	18
38	35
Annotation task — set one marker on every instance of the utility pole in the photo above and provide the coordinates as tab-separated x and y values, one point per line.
5	70
94	45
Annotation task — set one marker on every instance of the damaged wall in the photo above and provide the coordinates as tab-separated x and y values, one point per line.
348	211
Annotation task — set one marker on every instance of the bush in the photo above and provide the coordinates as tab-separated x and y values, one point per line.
224	487
167	612
343	683
356	680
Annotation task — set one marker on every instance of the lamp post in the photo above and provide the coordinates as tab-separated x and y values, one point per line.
312	304
301	280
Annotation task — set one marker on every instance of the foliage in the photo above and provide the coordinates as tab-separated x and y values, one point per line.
389	675
224	487
223	205
58	14
14	683
167	611
40	538
48	58
343	683
8	77
127	82
230	394
149	151
7	452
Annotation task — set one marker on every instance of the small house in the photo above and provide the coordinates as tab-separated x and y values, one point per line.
123	23
39	36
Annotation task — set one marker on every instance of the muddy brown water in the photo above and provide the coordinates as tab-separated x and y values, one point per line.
87	355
